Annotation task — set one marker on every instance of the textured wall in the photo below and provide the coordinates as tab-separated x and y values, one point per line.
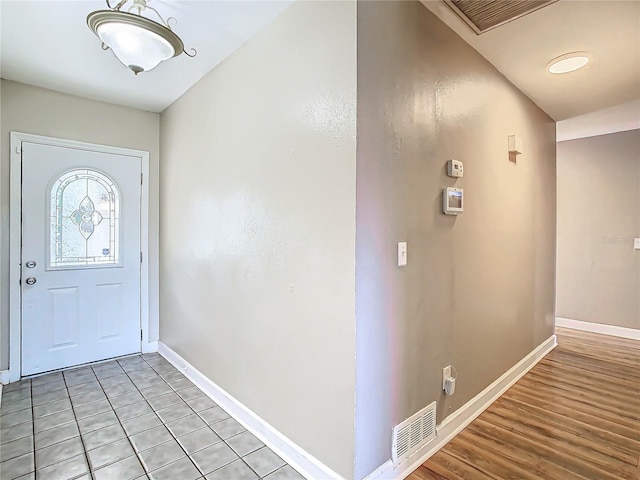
28	109
598	216
478	291
258	227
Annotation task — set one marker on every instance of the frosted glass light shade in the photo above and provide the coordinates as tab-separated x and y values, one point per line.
139	43
135	47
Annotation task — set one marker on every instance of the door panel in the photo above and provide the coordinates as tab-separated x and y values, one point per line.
109	300
64	316
81	246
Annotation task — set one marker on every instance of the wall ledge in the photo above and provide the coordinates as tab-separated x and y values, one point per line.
458	420
301	460
624	332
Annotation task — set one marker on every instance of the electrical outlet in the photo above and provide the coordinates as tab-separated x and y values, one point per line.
446	373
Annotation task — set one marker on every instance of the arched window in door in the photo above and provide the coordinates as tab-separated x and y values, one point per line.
85	218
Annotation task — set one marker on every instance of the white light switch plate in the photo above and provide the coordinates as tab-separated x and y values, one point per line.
636	243
402	254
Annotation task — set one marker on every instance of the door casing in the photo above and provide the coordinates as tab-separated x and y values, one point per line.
15	240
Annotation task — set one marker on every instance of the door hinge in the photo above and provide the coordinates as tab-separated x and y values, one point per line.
140	257
141	178
140	335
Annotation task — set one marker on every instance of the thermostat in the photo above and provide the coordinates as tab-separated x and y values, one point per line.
454	168
452	201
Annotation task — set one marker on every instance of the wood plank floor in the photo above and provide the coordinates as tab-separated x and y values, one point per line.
575	415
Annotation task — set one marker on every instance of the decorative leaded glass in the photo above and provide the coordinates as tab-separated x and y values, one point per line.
85	217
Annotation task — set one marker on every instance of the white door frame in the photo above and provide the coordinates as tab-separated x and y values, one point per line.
15	240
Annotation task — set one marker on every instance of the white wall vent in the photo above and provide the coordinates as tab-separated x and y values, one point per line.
410	435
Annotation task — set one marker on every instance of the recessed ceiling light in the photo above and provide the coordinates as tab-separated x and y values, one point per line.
568	62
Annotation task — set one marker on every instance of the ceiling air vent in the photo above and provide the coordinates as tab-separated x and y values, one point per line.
413	433
483	15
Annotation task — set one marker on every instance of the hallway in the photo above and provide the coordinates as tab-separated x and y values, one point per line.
575	415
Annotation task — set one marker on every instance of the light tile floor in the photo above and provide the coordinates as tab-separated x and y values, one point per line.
134	417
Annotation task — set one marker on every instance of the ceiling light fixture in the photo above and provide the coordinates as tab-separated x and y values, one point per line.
568	62
138	42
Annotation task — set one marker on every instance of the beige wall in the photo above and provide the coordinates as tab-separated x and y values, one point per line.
478	291
598	216
28	109
258	225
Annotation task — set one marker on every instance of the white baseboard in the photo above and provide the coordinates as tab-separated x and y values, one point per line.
614	330
150	347
386	470
458	420
306	464
4	377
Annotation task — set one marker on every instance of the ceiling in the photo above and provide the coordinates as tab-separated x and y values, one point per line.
619	118
608	29
48	44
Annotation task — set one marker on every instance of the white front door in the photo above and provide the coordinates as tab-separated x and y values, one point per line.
80	258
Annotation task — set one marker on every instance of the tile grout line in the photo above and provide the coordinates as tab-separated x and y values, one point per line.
76	367
84	447
33	424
